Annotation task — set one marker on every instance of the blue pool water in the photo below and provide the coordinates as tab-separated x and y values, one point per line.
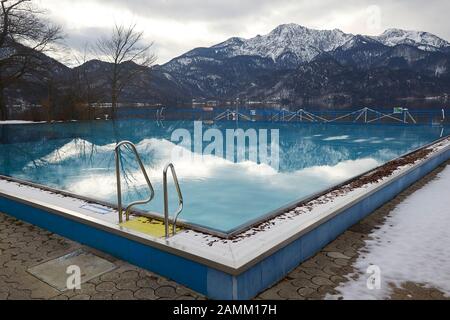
220	194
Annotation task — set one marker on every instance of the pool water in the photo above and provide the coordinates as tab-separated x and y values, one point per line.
220	194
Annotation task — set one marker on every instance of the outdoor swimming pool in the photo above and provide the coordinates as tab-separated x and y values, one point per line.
220	194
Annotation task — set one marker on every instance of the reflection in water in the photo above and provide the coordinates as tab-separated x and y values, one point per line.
220	194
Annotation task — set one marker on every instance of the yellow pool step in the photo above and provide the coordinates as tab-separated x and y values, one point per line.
148	226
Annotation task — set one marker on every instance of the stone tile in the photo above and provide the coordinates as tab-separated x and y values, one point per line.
304	283
184	291
289	292
129	275
147	282
299	274
145	294
23	245
327	289
166	292
438	295
337	255
107	286
102	296
316	272
15	294
81	297
110	276
126	284
123	295
332	270
337	279
342	262
320	281
305	292
185	298
60	297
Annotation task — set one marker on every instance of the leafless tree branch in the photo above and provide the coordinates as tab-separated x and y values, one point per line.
24	35
129	56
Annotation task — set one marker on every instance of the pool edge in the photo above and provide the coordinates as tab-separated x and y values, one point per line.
297	250
242	282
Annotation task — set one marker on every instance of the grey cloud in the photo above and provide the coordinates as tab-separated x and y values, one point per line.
235	15
204	10
80	38
227	18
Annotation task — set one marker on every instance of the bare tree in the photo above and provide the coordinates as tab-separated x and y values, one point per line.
82	80
24	35
129	56
82	89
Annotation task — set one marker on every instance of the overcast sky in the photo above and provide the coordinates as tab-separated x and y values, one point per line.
177	26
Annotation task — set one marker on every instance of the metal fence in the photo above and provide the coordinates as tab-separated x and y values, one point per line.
401	116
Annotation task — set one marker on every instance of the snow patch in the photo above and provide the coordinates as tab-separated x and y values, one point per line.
422	40
336	138
411	246
8	122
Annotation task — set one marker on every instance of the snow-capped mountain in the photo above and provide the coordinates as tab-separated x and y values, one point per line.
358	41
296	65
292	44
286	39
266	66
421	40
361	51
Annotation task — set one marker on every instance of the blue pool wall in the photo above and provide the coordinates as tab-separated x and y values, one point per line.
211	282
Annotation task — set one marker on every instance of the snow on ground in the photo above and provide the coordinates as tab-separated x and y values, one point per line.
18	122
411	246
336	138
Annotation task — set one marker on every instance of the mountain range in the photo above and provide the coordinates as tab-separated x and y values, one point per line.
295	65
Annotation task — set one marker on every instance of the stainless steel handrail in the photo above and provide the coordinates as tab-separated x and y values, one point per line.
166	200
119	186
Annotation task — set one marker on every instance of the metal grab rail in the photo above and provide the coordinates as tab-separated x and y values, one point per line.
166	200
119	187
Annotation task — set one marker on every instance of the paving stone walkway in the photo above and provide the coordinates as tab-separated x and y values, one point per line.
23	245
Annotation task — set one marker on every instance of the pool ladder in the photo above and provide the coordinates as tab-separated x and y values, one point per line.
170	166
